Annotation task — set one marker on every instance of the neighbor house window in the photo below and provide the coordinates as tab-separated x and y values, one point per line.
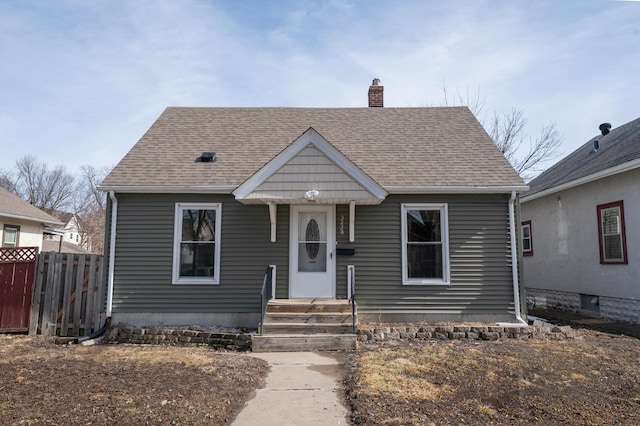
10	236
527	240
612	240
425	244
196	254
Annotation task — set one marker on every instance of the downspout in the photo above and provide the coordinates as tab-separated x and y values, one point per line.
514	258
112	251
112	255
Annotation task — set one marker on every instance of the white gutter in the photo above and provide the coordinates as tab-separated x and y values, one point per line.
112	251
32	219
620	168
223	189
455	189
514	261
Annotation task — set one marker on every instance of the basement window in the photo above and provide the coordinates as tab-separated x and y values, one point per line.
589	303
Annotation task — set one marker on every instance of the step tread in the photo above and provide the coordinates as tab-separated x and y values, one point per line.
303	342
306	336
306	324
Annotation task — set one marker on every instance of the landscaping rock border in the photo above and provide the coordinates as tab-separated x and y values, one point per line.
126	333
389	332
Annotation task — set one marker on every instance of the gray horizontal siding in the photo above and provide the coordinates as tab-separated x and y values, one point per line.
479	253
478	243
144	256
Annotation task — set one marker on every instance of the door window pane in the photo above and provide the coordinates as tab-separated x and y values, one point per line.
316	264
312	242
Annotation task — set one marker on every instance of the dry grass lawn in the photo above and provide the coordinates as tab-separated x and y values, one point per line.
595	381
45	383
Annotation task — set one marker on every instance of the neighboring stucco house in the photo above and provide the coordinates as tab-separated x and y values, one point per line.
581	229
21	224
418	201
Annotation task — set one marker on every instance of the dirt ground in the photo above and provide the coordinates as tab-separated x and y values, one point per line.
594	380
45	383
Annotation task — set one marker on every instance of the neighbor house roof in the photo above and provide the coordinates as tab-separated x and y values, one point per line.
617	151
63	216
63	247
397	147
15	207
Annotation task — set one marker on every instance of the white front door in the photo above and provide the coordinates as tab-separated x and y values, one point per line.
312	257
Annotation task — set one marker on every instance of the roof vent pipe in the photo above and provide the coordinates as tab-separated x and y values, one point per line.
604	128
596	145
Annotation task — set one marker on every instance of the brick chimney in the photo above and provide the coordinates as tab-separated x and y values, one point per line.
376	98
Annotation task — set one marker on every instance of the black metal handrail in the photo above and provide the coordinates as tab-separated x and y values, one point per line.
352	297
265	294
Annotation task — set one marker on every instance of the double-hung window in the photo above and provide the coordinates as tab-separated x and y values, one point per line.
10	236
425	244
196	252
527	239
612	239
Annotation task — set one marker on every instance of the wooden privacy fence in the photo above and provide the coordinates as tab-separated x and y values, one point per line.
17	266
69	294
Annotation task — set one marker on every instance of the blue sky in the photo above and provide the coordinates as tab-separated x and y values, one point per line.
81	81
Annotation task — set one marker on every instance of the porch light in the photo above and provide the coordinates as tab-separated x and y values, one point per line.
311	195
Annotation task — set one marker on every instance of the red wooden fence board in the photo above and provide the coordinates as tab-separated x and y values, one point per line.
17	268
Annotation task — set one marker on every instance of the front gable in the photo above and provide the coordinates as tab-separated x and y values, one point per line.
310	169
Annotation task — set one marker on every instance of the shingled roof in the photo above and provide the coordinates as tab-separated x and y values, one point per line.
619	149
397	147
15	207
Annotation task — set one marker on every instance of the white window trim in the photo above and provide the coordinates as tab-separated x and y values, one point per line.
177	236
16	243
529	251
603	208
444	229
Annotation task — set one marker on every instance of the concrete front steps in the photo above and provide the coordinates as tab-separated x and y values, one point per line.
306	325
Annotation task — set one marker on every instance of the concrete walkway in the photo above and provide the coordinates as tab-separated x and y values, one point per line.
302	388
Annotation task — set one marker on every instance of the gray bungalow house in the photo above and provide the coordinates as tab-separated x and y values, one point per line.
581	229
410	209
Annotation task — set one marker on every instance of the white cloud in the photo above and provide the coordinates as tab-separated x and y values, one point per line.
85	80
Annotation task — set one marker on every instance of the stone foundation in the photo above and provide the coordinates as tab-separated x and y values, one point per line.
367	333
541	331
612	308
126	333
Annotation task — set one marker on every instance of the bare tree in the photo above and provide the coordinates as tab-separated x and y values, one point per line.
474	100
90	208
47	189
508	133
526	154
56	191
